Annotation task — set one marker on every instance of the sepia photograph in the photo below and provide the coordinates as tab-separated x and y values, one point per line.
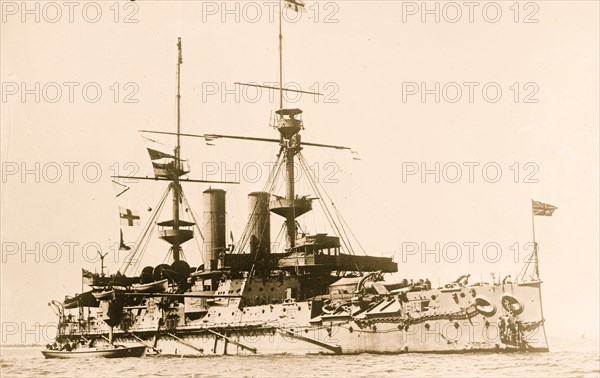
302	188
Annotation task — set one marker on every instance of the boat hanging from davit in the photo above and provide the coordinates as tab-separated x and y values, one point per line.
315	296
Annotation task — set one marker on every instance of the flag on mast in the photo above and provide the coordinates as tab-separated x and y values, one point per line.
542	209
122	245
87	277
164	162
296	5
129	217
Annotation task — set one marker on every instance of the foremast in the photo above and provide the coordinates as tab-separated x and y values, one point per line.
169	166
176	186
175	235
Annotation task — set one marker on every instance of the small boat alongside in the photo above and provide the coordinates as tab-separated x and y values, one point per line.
116	351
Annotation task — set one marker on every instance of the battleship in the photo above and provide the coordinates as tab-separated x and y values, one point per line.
315	295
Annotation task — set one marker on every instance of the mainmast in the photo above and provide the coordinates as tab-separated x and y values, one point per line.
289	153
289	124
280	56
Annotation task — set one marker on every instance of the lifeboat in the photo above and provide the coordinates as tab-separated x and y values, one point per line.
104	295
152	287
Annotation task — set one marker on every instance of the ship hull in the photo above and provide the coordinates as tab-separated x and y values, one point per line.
485	318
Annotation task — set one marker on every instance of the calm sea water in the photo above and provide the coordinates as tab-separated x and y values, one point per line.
568	357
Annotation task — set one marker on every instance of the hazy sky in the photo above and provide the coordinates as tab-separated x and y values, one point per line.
380	67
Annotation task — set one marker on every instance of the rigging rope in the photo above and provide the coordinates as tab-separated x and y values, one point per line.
187	204
138	248
245	237
313	183
347	226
